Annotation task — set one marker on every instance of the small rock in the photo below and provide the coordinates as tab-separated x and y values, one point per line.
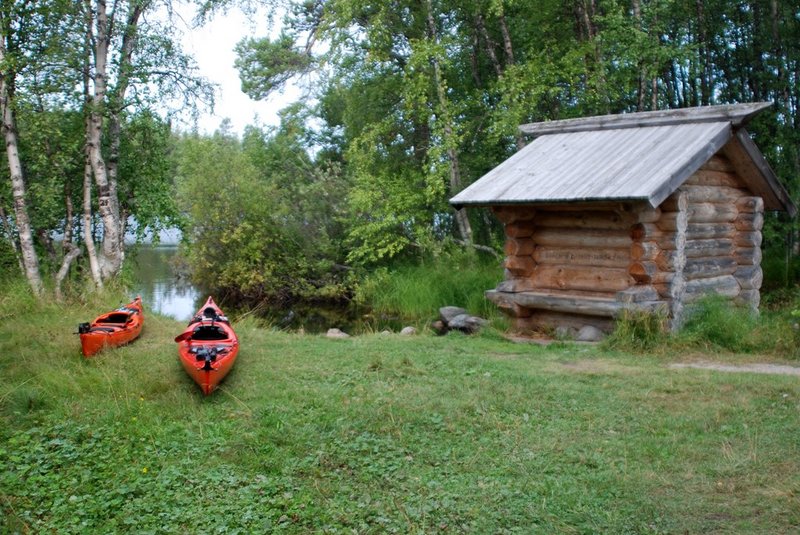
467	323
336	333
408	331
386	332
448	313
589	333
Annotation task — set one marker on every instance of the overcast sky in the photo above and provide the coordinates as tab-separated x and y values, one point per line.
212	47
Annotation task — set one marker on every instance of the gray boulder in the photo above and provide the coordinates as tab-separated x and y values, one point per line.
448	313
408	331
467	323
589	333
336	333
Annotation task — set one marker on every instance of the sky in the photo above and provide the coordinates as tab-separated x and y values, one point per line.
212	46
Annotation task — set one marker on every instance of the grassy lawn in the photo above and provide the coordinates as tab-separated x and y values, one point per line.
383	433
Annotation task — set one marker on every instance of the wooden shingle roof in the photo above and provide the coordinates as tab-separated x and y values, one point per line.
631	157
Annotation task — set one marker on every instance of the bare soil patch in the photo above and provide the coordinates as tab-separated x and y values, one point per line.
774	369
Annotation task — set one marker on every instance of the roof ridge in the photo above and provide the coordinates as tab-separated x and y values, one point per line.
736	114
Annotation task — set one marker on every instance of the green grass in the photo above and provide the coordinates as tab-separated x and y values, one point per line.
382	434
417	291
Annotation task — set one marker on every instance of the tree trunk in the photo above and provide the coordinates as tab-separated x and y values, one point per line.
71	252
107	202
88	238
30	260
462	220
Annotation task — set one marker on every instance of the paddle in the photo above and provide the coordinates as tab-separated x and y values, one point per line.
184	336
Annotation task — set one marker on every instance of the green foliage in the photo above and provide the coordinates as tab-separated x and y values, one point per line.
265	65
262	220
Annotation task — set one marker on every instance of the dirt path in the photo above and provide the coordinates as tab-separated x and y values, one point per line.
775	369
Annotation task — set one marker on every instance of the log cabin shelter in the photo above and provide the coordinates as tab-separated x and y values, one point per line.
642	212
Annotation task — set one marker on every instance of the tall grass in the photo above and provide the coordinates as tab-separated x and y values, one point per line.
418	291
713	324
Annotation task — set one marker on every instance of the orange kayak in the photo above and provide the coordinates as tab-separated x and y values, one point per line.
114	328
208	347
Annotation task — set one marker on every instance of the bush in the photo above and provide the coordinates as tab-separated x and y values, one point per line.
638	331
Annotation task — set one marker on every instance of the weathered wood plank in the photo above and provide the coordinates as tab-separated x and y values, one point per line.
644	251
710	231
588	306
643	272
736	114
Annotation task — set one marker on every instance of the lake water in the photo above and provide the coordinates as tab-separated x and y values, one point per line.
161	289
164	292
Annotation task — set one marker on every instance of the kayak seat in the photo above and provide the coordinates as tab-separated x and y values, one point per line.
115	318
209	312
209	332
102	329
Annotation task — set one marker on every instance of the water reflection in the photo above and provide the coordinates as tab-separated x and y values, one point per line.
161	289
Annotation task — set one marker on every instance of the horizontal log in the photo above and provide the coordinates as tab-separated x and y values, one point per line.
710	231
718	162
572	278
511	214
512	284
580	306
706	212
749	277
642	232
708	177
507	306
749	221
725	285
706	248
519	229
574	256
644	251
582	238
637	294
749	205
594	219
672	221
748	239
748	256
519	246
520	266
699	268
713	194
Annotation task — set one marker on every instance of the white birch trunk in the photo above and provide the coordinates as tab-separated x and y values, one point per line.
30	260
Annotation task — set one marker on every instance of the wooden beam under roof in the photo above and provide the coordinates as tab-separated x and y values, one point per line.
736	114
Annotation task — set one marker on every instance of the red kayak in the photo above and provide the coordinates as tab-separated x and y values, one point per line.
208	347
113	328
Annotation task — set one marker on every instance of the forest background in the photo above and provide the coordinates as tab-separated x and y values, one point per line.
405	103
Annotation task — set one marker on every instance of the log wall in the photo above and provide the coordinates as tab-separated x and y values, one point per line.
705	237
